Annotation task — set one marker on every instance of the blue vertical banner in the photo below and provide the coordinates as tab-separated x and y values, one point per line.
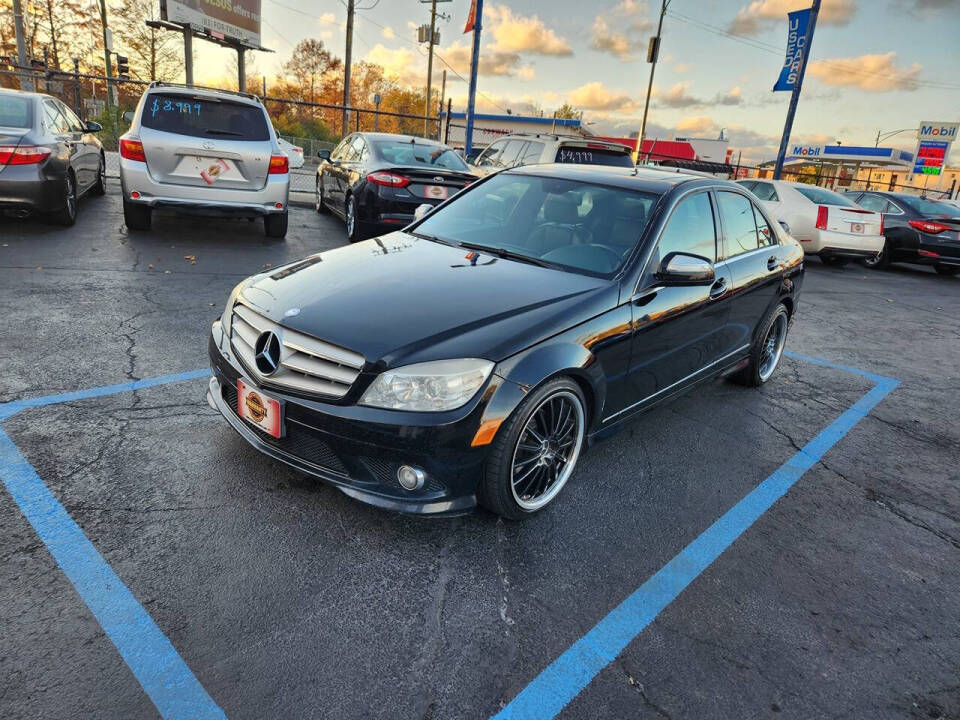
798	23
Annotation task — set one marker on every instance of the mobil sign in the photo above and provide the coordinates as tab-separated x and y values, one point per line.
933	146
805	151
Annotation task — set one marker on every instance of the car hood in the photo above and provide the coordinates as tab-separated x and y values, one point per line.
399	299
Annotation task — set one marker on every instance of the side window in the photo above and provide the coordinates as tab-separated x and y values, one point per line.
873	202
75	124
766	191
739	225
360	151
690	229
532	153
340	150
764	231
511	153
748	184
56	122
491	156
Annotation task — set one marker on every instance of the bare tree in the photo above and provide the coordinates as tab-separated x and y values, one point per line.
154	54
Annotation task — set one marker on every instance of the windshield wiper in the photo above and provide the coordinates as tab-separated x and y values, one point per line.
509	254
212	131
424	236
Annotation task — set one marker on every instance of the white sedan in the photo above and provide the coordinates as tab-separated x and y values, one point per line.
825	222
294	152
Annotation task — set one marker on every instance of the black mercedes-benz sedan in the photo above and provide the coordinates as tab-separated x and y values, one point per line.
473	356
48	157
916	230
375	181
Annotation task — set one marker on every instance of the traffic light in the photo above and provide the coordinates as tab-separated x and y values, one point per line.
123	66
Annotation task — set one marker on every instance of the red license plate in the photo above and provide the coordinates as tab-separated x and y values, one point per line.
259	409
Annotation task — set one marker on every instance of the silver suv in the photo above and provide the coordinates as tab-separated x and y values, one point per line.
514	150
210	152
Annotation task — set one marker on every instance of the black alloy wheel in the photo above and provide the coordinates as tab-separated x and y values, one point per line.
100	186
536	451
67	214
319	204
878	261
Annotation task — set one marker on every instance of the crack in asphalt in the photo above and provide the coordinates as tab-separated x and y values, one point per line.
642	691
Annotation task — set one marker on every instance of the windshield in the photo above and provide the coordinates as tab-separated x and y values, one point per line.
574	225
929	208
399	152
199	116
821	196
15	112
576	155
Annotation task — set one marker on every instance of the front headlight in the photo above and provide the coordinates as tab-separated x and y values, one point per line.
228	310
429	387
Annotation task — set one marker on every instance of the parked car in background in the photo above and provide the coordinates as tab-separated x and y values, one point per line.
827	224
294	152
376	181
49	157
518	150
203	151
952	203
471	357
916	230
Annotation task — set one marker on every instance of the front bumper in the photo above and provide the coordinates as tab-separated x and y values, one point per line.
134	177
353	449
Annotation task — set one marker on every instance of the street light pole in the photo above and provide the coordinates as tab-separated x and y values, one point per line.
653	52
107	47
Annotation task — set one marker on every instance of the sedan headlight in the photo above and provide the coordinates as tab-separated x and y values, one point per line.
429	387
228	310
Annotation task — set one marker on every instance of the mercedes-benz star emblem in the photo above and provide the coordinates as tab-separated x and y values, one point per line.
267	353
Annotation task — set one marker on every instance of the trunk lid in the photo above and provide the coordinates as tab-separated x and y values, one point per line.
201	141
852	221
10	137
432	183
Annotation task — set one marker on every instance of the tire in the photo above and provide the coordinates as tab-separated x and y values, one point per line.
515	451
880	261
355	230
100	186
947	270
764	357
275	225
137	217
67	214
319	205
835	261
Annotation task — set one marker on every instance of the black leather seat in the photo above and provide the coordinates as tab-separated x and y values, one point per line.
562	226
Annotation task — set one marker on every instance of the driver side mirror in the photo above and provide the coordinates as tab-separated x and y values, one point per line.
93	127
128	116
323	154
422	211
685	269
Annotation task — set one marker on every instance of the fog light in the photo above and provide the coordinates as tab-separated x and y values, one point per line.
135	195
411	478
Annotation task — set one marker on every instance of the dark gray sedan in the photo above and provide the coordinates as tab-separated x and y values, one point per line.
48	157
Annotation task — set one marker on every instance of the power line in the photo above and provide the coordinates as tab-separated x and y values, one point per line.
773	49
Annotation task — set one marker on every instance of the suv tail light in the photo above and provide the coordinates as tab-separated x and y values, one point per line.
928	226
822	217
279	165
27	155
388	179
132	150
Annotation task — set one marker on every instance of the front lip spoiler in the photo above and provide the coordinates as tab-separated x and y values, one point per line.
457	506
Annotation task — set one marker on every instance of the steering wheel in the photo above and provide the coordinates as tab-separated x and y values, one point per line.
585	256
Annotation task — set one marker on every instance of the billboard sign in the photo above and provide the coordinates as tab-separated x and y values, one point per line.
933	146
798	23
233	19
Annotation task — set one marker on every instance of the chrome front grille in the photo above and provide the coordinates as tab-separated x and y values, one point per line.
306	364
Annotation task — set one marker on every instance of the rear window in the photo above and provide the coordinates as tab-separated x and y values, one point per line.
398	152
929	208
204	117
594	156
824	197
15	112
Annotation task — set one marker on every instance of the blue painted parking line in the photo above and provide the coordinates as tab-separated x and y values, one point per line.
174	690
550	692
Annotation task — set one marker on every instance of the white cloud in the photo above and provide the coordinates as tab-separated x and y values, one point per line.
760	14
327	19
492	62
596	96
734	96
622	31
519	33
400	64
695	124
388	33
874	73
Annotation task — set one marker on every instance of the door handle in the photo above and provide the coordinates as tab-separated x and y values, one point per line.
718	289
772	263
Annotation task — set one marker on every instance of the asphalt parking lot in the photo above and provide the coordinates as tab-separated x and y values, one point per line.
286	599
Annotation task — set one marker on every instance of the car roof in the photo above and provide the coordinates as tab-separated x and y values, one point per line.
23	93
178	89
397	136
642	179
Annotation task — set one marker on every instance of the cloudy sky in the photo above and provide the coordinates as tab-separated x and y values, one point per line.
875	64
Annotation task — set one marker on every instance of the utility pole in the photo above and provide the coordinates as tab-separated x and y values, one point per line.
346	67
795	95
430	44
26	79
241	69
107	47
653	52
